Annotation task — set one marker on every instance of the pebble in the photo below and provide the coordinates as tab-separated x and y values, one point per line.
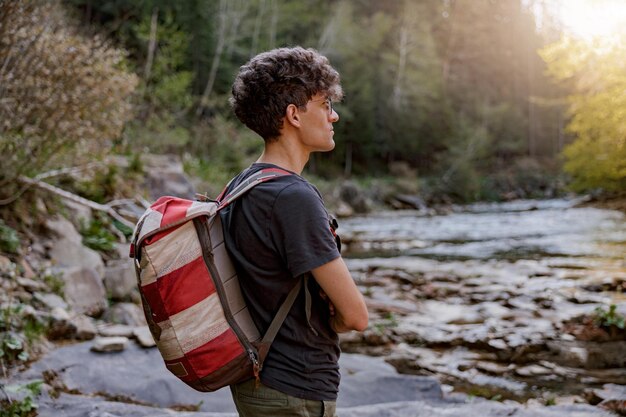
109	344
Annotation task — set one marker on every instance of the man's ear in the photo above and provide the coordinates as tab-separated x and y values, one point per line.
292	115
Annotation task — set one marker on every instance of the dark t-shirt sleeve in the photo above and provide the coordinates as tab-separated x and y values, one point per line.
300	229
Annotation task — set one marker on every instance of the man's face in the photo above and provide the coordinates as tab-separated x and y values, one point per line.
317	124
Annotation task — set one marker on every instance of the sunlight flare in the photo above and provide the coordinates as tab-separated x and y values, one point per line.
593	19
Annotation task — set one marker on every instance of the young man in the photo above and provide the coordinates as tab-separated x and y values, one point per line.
280	231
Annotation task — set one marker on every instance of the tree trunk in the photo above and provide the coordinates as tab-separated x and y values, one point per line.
238	11
273	23
445	65
396	98
151	45
217	56
257	28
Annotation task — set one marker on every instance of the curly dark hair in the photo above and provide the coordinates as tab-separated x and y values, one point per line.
272	80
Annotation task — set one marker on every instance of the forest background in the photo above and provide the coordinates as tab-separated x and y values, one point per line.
457	100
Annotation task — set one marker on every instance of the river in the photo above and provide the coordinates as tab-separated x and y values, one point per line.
491	297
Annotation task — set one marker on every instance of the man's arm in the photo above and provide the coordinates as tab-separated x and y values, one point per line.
349	305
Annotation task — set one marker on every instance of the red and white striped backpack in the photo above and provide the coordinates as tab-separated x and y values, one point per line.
191	295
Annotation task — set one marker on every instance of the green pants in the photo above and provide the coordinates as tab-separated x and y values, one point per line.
263	401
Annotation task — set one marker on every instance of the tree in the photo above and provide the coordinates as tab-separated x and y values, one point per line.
596	73
64	95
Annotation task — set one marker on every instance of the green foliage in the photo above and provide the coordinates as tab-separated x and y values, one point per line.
9	240
97	236
388	322
425	82
609	318
18	331
26	406
102	186
135	165
220	150
55	282
597	74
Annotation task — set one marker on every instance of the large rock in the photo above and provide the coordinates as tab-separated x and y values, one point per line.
165	176
67	250
589	355
125	313
137	375
64	325
351	194
120	280
84	291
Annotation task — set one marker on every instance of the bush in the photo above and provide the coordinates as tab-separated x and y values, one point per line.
97	236
9	241
26	407
64	96
18	331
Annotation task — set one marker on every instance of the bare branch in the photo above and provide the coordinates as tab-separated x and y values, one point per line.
77	199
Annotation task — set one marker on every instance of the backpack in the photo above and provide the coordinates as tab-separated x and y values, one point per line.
191	295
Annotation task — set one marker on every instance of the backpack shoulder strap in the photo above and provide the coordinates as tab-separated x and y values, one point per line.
249	183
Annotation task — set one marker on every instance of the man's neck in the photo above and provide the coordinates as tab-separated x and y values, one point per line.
286	154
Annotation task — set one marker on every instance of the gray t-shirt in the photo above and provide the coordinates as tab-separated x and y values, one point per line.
276	233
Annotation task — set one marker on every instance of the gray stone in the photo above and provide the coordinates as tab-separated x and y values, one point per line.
612	397
51	301
144	337
112	330
109	344
138	374
64	325
533	370
351	194
165	176
120	280
125	313
67	250
589	355
30	284
360	374
84	290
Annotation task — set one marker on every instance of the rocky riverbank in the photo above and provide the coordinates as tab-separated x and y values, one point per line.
460	325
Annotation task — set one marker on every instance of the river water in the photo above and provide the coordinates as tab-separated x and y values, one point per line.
482	296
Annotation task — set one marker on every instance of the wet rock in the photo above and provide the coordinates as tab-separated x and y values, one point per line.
351	194
493	368
66	247
125	313
84	290
411	201
589	355
109	344
67	326
533	371
120	280
361	373
144	337
611	397
344	210
112	330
